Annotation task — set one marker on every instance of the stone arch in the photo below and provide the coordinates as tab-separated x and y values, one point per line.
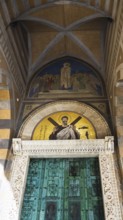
101	127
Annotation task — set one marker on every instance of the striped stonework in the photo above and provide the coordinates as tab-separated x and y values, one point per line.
5	116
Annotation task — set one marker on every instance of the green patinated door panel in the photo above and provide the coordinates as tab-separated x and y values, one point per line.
63	189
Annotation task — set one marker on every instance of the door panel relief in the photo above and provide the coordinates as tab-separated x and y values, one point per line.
63	189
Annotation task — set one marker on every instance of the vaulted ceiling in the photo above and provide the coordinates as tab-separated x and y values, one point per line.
45	30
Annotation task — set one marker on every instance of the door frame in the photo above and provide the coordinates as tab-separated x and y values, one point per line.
102	148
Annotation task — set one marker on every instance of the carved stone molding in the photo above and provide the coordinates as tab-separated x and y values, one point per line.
63	148
109	187
18	178
102	148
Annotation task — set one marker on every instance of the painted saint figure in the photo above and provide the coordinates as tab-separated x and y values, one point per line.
64	131
66	76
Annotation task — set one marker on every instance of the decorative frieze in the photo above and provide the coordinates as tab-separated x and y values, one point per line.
48	148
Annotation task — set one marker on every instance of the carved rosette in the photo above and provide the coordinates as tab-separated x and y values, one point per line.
109	188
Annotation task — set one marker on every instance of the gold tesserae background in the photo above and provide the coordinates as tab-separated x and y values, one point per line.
45	127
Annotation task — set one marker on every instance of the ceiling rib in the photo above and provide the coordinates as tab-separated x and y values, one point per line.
59	27
42	21
54	3
83	47
84	20
52	43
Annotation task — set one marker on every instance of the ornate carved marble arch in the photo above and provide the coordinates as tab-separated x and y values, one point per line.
96	119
